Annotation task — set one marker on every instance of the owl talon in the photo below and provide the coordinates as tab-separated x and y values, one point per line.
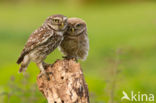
76	60
45	74
45	65
49	73
70	57
65	57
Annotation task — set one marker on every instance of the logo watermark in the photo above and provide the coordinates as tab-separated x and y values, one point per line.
143	97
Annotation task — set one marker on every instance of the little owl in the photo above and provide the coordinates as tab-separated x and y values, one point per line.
42	42
75	43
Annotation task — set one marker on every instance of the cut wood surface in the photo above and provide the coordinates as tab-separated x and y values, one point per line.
66	84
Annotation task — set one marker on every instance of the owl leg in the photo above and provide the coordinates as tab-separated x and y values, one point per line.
45	65
67	57
75	58
70	57
43	72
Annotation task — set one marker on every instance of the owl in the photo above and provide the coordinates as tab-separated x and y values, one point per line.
75	43
42	42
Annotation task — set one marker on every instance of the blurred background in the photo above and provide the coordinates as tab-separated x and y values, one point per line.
122	54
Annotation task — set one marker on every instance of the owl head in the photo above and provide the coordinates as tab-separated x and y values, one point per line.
76	26
57	22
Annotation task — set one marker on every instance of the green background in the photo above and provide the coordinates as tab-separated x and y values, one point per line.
122	55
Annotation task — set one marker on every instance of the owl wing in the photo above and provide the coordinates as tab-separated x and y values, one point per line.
83	46
37	38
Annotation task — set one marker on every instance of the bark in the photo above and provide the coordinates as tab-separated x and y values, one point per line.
66	84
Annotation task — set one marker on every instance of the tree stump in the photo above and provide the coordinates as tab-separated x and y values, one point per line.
66	84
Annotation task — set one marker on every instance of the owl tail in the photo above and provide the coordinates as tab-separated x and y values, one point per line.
23	68
22	56
20	59
24	64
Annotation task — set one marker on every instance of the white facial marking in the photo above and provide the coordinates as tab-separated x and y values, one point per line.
59	33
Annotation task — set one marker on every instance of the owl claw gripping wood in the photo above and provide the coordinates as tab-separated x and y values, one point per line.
42	42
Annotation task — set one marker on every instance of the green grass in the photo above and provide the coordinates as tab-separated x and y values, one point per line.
130	27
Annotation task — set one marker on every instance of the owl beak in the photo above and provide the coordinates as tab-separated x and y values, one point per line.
62	25
73	30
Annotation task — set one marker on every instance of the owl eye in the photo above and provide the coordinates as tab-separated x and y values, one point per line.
56	20
78	25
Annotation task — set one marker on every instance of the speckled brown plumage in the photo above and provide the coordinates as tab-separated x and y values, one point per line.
43	41
75	43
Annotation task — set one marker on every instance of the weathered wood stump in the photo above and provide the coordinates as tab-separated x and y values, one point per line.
66	84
